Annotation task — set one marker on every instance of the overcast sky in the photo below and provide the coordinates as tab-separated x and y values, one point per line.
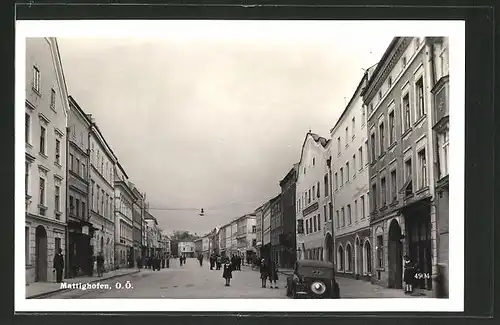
214	122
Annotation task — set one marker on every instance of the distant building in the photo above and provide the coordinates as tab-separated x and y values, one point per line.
258	229
276	229
137	217
198	247
312	220
287	246
186	248
265	250
222	240
245	235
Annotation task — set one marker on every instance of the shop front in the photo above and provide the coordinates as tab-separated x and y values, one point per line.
81	251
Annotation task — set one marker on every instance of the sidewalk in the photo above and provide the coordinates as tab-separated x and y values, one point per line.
41	289
351	288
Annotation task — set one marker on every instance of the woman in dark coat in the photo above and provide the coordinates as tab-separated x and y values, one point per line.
227	273
408	275
263	272
273	275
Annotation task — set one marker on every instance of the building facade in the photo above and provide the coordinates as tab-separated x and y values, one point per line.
205	246
198	247
234	237
276	230
186	248
137	216
401	158
258	230
441	139
265	250
287	239
152	231
222	240
350	188
246	235
311	200
46	114
124	215
80	230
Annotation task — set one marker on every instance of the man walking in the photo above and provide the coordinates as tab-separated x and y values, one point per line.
59	265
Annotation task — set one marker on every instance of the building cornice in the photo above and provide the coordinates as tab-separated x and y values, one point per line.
385	66
94	130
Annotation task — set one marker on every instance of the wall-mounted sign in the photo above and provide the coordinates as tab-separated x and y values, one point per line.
310	209
85	230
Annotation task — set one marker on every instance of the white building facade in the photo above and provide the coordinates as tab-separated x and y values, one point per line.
312	202
124	210
102	161
46	114
186	248
246	234
350	188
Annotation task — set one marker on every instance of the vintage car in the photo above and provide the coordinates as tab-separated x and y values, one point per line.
312	279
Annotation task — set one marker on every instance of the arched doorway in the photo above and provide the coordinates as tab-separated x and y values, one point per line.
340	258
368	257
329	248
40	254
348	257
358	257
395	257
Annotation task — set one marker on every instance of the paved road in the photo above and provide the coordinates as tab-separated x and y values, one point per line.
178	282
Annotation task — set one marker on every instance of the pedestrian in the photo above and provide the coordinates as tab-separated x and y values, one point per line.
408	275
263	272
100	264
227	273
180	260
218	262
168	261
441	282
240	261
138	261
273	274
59	265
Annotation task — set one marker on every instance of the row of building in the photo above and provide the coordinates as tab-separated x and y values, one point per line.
78	196
376	189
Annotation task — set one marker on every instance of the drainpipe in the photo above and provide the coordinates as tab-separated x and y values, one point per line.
330	187
66	186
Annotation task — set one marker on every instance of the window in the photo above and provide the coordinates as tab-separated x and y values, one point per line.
330	206
71	205
408	170
319	222
314	192
57	242
309	196
41	198
102	202
360	154
343	216
324	212
71	162
254	229
380	251
57	200
392	130
337	218
304	170
366	150
326	184
36	79
84	171
43	133
355	210
336	181
341	176
420	97
353	127
92	205
363	115
445	144
372	138
382	137
77	208
98	192
52	98
349	217
27	127
380	95
389	81
78	166
371	108
338	145
58	151
406	109
319	192
393	186
26	177
403	60
347	171
27	245
353	165
374	197
83	210
422	169
383	193
314	161
362	202
314	224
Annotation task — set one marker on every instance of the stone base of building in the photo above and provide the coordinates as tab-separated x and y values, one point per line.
354	253
44	237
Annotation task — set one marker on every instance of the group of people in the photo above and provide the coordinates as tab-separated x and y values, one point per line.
182	260
269	271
